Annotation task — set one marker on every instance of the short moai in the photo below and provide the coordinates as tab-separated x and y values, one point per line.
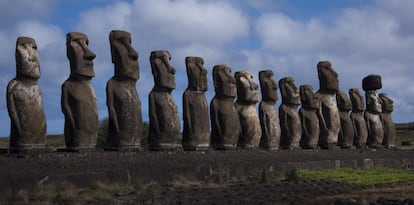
269	118
309	117
24	99
125	125
290	124
329	121
346	134
371	84
196	131
225	123
357	117
247	97
78	97
164	124
390	133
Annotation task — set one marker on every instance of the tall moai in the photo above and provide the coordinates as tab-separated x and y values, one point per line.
247	97
371	84
24	99
125	127
309	117
290	124
346	134
225	123
196	131
390	133
357	117
329	121
78	97
164	124
269	118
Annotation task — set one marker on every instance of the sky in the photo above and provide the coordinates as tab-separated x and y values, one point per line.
359	38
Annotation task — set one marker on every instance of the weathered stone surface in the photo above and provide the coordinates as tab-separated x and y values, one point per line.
358	121
346	134
309	117
247	97
290	124
269	118
164	125
390	133
78	97
24	99
329	121
373	119
196	132
225	123
124	106
372	82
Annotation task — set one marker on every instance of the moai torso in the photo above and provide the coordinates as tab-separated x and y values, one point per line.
390	133
269	118
247	97
164	125
24	99
309	118
78	97
290	124
196	131
372	116
358	121
346	134
124	106
225	123
329	121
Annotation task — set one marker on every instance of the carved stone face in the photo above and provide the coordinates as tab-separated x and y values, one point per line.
373	102
124	57
343	102
27	58
387	103
289	91
357	100
196	73
79	55
328	78
308	98
247	89
224	83
268	86
162	69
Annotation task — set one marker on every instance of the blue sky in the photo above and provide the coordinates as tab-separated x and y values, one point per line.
359	37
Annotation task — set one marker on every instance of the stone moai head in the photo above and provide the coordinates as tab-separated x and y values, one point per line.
124	57
162	70
247	89
196	73
79	55
370	84
308	98
289	91
357	100
328	78
224	82
27	59
387	103
268	86
343	101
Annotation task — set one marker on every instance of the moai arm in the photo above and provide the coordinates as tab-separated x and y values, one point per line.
153	115
12	107
187	116
264	122
66	107
111	107
304	125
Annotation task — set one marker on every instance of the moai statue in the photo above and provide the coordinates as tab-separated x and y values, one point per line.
124	106
164	125
390	133
196	132
309	117
225	123
269	118
346	134
370	84
358	121
78	97
247	97
288	114
329	122
24	99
